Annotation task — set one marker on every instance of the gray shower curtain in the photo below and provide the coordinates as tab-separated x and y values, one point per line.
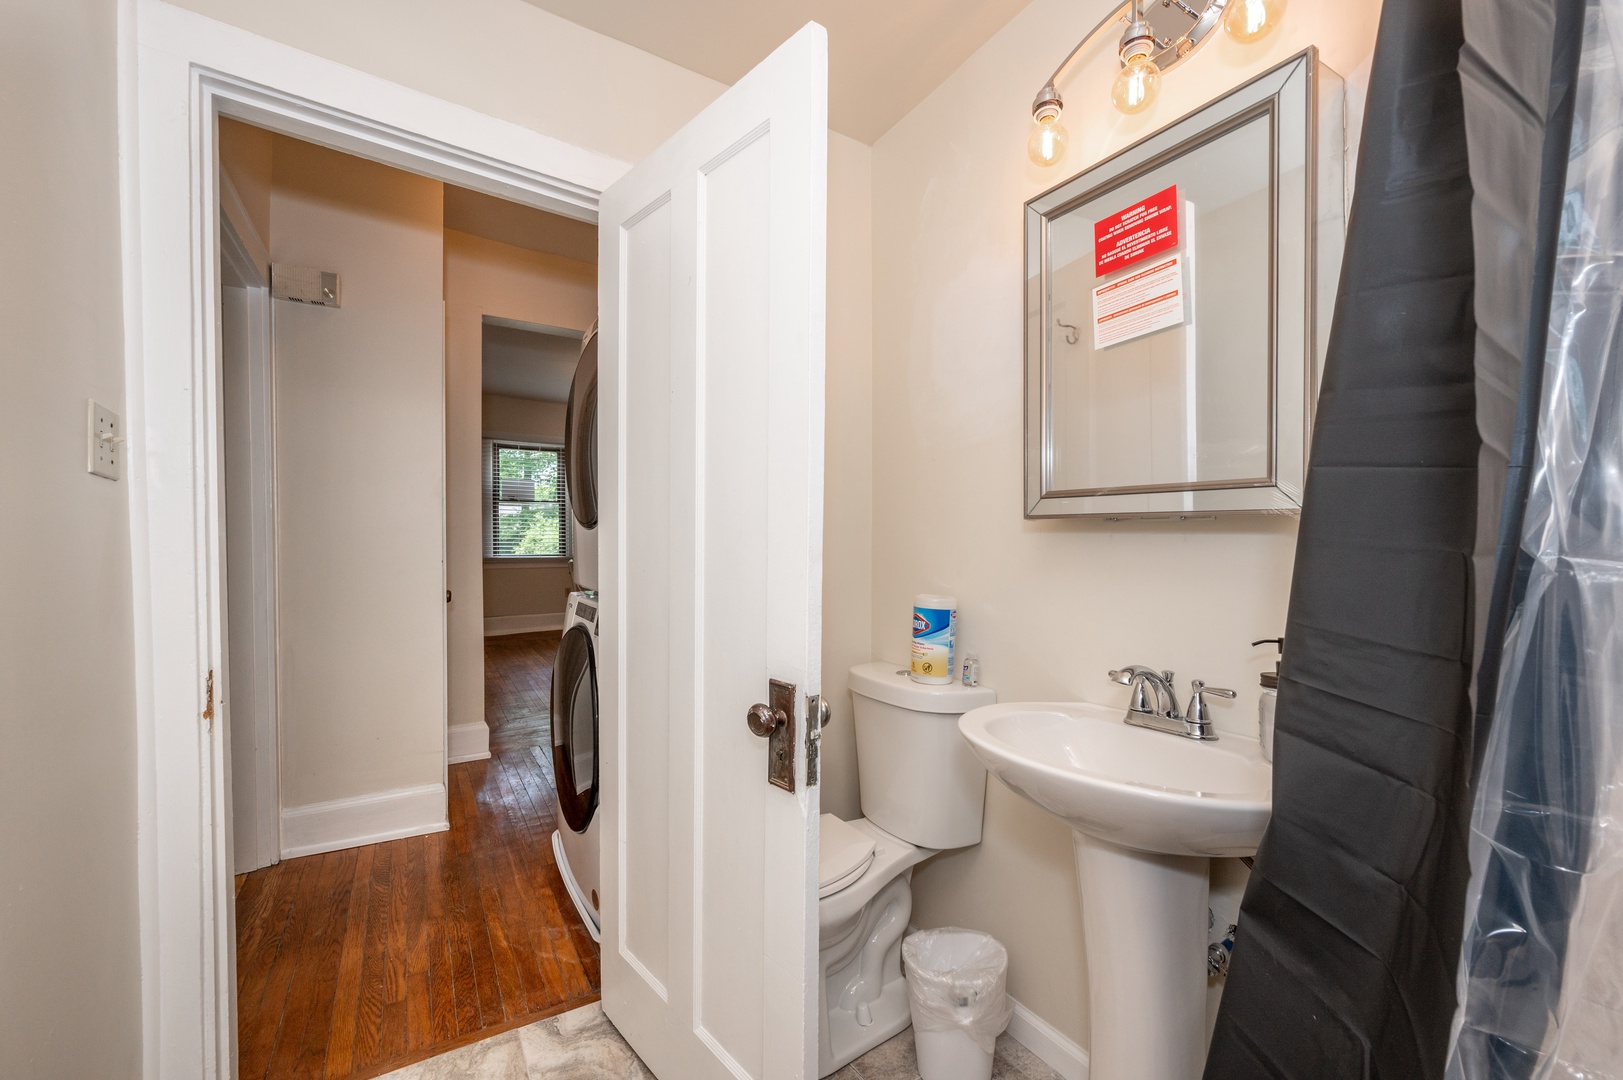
1358	928
1349	933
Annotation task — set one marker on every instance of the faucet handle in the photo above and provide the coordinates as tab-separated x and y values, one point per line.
1198	715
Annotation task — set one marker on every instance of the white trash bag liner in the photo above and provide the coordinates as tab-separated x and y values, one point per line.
957	980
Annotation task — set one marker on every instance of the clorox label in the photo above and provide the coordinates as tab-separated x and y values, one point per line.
934	630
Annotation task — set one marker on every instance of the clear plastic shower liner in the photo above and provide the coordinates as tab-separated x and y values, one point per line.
1541	971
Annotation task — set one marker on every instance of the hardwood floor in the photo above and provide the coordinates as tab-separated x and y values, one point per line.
518	688
356	962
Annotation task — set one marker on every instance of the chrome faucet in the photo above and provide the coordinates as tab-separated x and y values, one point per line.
1161	713
1143	681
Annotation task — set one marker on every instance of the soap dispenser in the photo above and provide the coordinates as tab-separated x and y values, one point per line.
1269	698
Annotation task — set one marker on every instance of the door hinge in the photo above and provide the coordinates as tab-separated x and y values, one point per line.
208	701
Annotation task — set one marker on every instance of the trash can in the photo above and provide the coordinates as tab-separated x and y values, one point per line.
957	986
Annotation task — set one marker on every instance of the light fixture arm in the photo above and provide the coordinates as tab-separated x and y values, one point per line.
1112	16
1205	18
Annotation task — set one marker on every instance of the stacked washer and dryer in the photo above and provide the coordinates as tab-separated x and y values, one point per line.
574	675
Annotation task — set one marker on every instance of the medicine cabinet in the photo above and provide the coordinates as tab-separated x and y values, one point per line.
1178	299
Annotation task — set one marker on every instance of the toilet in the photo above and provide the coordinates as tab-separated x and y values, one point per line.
922	792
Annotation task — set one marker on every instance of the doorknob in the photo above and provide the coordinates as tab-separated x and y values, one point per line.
775	722
764	720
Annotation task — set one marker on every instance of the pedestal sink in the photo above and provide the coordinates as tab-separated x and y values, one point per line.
1147	810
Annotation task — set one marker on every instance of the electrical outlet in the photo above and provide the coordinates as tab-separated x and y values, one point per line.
106	450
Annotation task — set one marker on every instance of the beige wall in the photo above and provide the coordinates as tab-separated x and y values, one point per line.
526	590
484	277
70	990
848	461
506	58
1048	606
360	479
523	419
246	157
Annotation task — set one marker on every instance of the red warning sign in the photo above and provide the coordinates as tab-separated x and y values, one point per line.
1144	229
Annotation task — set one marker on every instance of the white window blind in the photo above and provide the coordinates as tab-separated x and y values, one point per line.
527	501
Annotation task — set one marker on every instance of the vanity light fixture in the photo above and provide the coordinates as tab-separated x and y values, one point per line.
1159	36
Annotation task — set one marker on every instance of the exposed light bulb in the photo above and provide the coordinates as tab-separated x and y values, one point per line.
1048	139
1247	21
1137	84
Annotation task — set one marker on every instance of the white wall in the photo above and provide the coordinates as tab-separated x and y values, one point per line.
1048	606
360	480
70	987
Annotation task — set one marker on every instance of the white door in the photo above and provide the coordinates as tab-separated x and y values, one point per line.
711	284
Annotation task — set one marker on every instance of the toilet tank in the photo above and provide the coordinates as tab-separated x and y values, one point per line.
916	775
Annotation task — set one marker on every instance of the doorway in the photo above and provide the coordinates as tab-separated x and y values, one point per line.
756	160
402	896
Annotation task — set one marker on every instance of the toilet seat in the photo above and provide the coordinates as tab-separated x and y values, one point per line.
844	855
891	858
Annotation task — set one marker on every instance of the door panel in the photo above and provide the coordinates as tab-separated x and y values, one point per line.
650	576
711	450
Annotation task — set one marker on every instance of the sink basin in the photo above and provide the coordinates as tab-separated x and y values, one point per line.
1147	811
1129	785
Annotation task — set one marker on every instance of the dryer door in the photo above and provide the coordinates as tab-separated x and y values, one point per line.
580	435
574	728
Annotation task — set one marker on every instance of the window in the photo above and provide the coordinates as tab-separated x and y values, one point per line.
524	492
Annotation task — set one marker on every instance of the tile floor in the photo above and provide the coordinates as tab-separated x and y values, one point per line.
581	1044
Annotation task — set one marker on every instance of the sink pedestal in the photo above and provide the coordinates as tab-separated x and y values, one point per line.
1144	928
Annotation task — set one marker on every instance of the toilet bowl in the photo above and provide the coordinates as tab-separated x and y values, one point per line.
922	792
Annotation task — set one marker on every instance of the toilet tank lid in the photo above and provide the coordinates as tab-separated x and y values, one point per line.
892	684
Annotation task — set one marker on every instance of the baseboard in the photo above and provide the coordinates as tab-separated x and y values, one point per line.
497	625
1043	1039
468	742
364	819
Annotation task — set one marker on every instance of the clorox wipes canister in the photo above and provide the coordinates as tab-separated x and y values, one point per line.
935	626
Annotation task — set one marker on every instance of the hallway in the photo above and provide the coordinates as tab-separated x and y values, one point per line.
356	962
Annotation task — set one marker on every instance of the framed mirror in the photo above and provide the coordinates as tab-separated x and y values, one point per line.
1178	299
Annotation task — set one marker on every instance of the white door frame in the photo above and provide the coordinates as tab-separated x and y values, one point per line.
179	71
249	675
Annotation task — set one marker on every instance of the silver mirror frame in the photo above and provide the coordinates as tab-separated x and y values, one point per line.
1300	94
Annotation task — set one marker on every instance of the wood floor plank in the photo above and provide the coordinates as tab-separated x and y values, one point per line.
257	1041
475	921
515	916
302	1049
441	981
374	964
340	1057
456	933
354	963
259	938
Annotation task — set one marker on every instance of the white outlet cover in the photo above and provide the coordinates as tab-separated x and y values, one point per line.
106	449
